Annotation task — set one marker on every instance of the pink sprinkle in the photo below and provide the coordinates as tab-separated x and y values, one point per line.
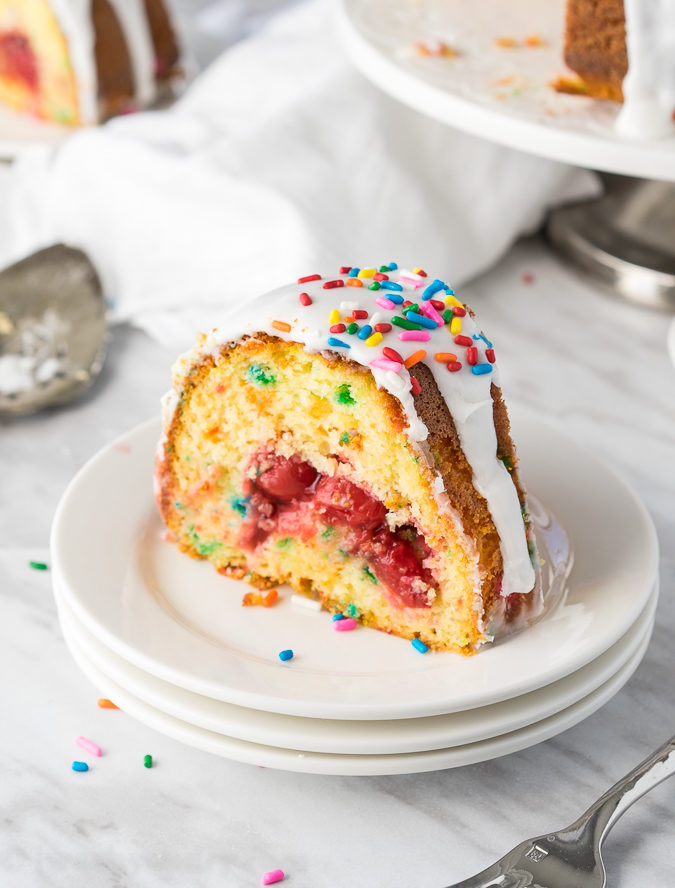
89	746
383	302
416	282
385	364
344	625
527	277
273	876
427	309
414	336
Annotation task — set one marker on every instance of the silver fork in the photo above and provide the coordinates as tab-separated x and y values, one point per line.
572	858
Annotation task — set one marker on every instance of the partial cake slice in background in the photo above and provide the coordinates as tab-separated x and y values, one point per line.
347	435
82	61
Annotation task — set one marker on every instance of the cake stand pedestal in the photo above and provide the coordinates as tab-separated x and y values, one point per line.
624	240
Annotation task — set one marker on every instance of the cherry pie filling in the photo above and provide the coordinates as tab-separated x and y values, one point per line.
288	496
17	60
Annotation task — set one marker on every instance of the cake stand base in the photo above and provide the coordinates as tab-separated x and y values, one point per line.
624	241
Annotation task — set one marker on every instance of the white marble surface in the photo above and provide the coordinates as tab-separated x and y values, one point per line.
595	368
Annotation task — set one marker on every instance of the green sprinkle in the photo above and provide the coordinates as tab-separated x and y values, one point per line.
414	307
202	547
343	395
508	462
447	315
374	286
368	575
284	543
353	328
405	323
343	553
351	610
260	374
327	532
187	458
344	438
147	761
38	565
384	269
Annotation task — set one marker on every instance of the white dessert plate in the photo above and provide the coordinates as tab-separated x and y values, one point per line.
501	94
179	620
21	131
360	737
354	765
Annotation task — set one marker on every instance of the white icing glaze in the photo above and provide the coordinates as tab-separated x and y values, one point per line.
467	395
75	20
649	85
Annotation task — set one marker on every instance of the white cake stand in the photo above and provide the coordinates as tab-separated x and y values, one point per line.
626	239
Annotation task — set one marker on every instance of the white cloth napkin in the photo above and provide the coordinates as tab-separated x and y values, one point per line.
279	161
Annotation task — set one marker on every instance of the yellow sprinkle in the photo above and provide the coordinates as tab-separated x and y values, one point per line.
374	339
449	299
281	325
417	270
456	325
334	317
367	272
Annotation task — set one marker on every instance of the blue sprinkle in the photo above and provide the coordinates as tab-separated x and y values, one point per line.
393	266
421	320
390	285
354	272
80	766
433	288
476	336
337	617
419	645
337	343
286	655
481	369
395	297
449	291
486	341
365	331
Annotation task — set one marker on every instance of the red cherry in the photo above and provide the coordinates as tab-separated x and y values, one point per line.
287	479
342	502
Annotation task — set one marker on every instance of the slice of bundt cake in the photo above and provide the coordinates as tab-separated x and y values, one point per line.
348	436
81	61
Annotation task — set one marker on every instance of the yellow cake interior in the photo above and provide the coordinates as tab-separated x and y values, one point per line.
264	401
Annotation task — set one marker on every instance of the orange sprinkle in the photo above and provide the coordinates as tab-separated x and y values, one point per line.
534	40
269	599
445	357
104	703
281	325
506	42
349	320
415	359
353	282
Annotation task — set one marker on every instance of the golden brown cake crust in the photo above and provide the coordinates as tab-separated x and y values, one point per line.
595	47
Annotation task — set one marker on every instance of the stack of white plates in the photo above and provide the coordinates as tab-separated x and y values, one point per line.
166	637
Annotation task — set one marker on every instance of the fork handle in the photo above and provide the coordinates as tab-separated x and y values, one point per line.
648	774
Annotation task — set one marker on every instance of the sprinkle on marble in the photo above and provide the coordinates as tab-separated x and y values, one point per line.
80	766
286	655
147	761
353	282
88	746
419	645
38	565
281	325
273	876
104	703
